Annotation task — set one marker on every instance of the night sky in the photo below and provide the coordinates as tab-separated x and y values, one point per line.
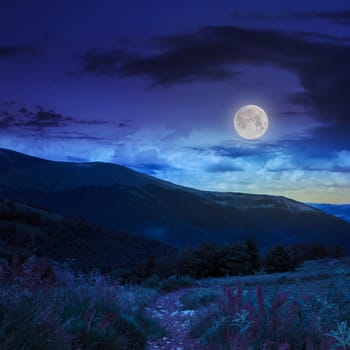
154	85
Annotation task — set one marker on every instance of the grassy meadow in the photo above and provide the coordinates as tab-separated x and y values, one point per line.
45	305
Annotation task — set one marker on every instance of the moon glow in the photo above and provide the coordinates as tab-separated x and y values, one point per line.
251	122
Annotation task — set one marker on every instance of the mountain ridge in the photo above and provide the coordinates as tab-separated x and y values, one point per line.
120	198
26	230
341	211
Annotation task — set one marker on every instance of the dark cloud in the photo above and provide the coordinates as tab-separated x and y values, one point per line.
281	168
325	80
76	136
303	99
11	51
6	120
291	113
125	123
238	152
151	168
254	16
41	119
213	52
46	119
334	137
92	122
210	53
340	17
341	169
77	159
321	143
102	63
227	150
330	168
325	38
222	167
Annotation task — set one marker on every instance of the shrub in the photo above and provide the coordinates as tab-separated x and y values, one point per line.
242	320
102	326
200	262
234	260
279	259
29	323
253	252
88	311
174	283
209	260
31	272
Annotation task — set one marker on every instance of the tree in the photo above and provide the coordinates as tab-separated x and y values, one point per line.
279	259
338	251
253	252
234	260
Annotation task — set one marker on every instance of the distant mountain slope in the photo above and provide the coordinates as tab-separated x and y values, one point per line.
342	211
119	198
26	230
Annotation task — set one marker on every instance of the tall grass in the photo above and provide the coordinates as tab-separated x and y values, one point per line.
274	321
199	297
70	311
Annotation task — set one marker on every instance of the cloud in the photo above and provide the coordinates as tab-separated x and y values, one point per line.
280	162
338	17
234	152
214	52
152	168
40	119
102	63
217	53
149	160
6	120
343	160
210	53
72	135
220	167
45	119
77	159
125	123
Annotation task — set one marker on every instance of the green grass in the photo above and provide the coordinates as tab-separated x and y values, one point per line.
76	317
196	298
169	284
308	309
274	317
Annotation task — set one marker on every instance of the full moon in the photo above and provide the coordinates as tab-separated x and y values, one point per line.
251	122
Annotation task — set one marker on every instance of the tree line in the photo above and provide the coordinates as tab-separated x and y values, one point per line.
212	260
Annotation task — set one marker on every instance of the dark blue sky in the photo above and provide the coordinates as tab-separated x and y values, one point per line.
154	85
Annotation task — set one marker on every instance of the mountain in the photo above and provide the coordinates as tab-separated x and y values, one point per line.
342	211
26	230
118	198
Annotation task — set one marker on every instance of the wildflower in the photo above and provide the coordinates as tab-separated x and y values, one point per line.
341	335
242	321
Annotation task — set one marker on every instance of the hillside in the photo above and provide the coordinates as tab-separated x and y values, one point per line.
26	230
341	211
118	198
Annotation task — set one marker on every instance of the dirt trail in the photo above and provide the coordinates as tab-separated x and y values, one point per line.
168	310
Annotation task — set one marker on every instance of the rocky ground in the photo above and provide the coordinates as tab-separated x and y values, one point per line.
176	321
